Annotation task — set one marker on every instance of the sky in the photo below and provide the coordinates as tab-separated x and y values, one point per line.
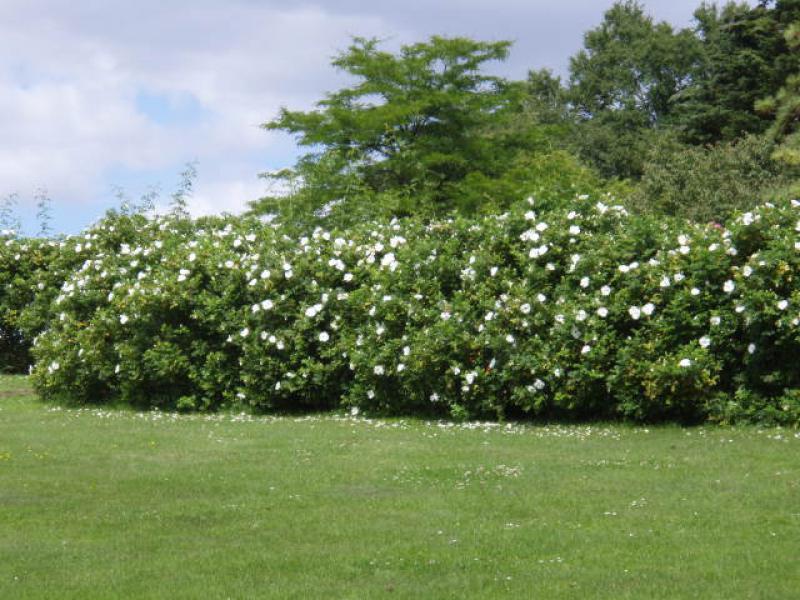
103	95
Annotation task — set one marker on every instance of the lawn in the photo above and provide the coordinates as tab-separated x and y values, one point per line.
98	503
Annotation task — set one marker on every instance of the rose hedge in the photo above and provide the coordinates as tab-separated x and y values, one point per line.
549	311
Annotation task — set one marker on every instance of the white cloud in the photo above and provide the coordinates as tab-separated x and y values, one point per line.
215	197
71	73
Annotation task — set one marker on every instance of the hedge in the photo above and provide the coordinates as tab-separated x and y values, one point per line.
553	310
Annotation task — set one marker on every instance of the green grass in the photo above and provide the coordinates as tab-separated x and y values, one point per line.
117	504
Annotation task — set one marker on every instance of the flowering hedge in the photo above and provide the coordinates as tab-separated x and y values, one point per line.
20	260
550	311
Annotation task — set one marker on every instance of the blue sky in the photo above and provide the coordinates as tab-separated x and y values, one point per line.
105	93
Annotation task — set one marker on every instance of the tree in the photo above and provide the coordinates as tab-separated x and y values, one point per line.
547	100
745	58
622	85
709	183
784	106
631	64
412	128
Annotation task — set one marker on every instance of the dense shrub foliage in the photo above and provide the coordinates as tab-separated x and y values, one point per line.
576	311
710	183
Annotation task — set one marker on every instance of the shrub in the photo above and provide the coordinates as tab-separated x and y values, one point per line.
709	183
555	309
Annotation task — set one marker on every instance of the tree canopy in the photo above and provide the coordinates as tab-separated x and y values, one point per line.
413	124
427	130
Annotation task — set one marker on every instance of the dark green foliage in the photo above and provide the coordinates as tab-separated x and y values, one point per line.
709	183
23	263
631	64
622	85
636	79
411	134
563	308
745	58
784	107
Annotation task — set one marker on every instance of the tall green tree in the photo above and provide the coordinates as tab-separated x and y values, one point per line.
413	126
623	82
745	58
784	107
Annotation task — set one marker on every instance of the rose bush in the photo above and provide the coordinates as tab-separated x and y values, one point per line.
553	310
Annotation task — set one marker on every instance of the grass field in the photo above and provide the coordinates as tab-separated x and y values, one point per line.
117	504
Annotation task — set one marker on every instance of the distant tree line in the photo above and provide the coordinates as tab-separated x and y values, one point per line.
694	122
